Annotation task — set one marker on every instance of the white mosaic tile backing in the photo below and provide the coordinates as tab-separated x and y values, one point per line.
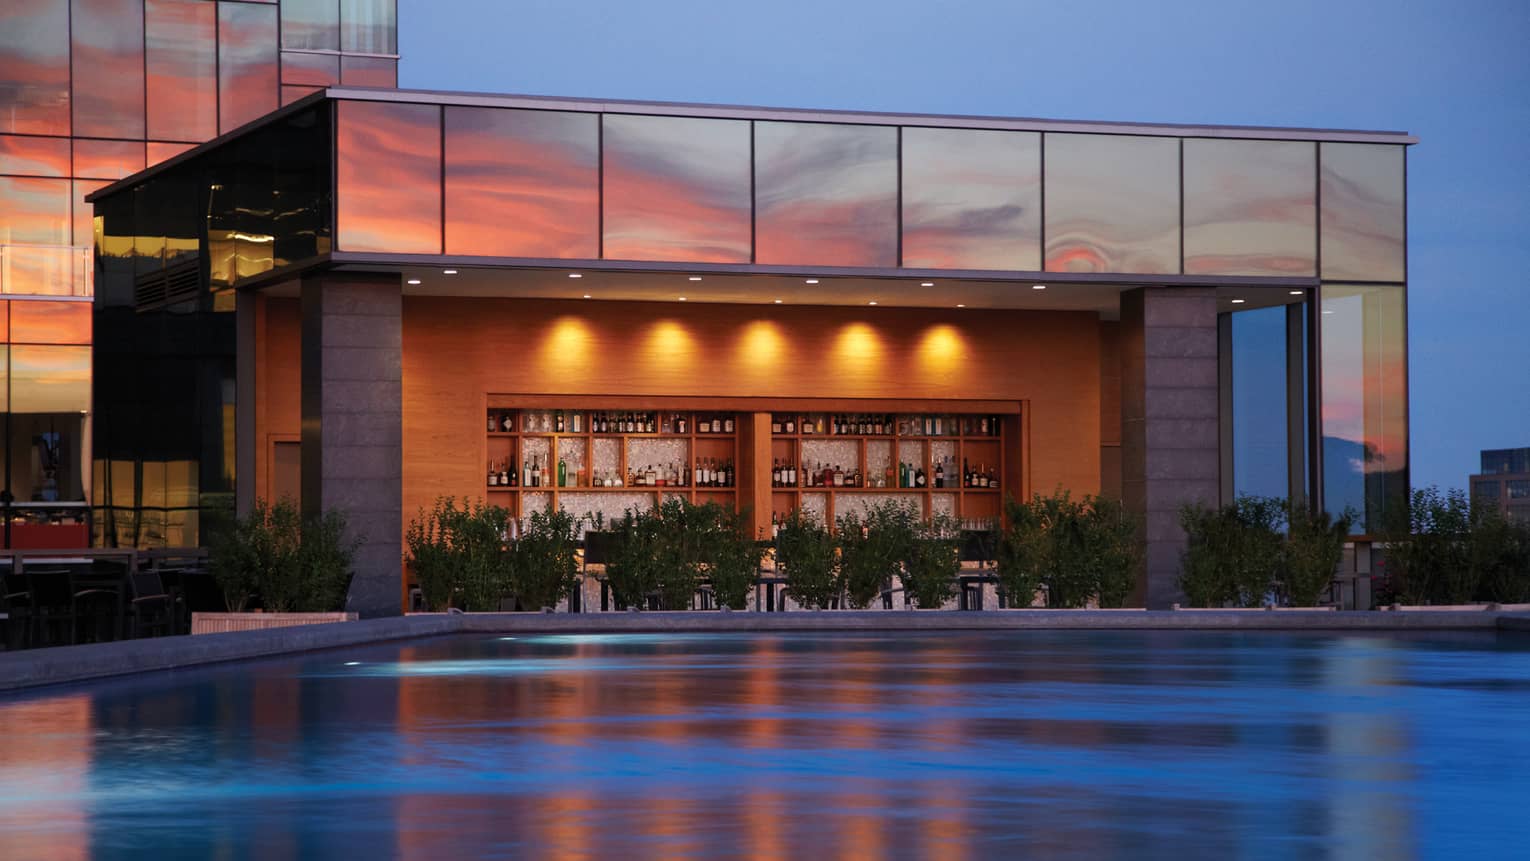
816	506
843	453
644	451
878	459
571	452
911	451
943	503
607	454
612	505
535	447
858	503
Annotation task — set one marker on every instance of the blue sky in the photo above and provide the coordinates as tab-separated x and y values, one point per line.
1457	74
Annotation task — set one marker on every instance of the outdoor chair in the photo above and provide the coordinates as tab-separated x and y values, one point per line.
976	546
597	554
151	610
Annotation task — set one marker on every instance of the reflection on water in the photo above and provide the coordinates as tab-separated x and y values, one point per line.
947	746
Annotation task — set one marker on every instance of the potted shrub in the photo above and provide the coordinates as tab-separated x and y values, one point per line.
732	557
1233	553
932	561
1112	551
544	568
872	549
1021	554
807	555
295	568
1313	549
461	556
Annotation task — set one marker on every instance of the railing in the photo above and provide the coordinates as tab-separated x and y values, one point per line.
46	270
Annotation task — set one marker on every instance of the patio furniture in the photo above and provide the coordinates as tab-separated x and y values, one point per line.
151	609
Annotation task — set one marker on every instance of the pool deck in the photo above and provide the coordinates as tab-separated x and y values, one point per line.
66	664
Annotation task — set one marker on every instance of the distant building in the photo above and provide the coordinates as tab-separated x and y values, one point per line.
1505	482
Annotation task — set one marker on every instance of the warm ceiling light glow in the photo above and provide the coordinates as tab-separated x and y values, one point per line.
926	283
575	275
778	301
1239	301
1038	286
448	272
812	281
695	278
682	298
872	302
961	306
414	280
586	295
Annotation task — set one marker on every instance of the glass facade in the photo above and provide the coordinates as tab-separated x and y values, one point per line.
34	67
825	194
107	65
522	183
1112	204
1365	400
1363	218
388	177
248	85
971	199
676	188
181	61
1259	426
1250	207
1501	461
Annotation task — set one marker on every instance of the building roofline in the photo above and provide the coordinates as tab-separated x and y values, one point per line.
801	115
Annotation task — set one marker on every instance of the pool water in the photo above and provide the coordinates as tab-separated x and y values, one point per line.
929	745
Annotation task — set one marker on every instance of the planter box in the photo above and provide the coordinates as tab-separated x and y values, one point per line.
223	623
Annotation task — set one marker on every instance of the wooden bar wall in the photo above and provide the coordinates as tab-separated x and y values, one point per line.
457	349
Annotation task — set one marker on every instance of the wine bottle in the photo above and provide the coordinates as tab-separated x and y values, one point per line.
510	474
775	473
562	473
940	474
652	426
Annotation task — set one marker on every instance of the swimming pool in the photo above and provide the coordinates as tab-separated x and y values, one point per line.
946	745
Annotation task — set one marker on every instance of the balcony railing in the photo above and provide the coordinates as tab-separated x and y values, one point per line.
46	270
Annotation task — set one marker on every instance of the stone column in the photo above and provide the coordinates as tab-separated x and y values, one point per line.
1169	423
352	431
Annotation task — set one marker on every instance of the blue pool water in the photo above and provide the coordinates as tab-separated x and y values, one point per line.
948	745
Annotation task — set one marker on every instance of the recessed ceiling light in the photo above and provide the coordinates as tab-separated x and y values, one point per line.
682	298
448	272
414	280
575	275
1297	292
778	301
1038	286
926	283
961	306
812	281
1239	301
695	278
586	295
872	302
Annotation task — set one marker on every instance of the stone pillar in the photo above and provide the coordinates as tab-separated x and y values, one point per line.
352	434
1169	423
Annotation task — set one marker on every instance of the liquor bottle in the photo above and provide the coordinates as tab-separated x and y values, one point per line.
839	476
889	479
651	425
791	424
902	474
532	475
562	473
919	478
509	474
506	423
578	423
775	473
526	473
791	475
680	424
558	422
993	477
966	474
493	425
493	475
775	425
940	474
818	426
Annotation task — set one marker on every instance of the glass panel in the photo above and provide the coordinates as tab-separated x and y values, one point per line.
1112	203
368	72
1250	207
311	70
159	152
368	26
1259	402
45	322
27	156
1363	219
34	210
5	322
521	183
292	94
84	221
676	188
182	62
826	194
1485	490
311	24
107	159
1365	401
5	378
247	63
107	61
47	449
388	178
971	199
50	379
34	71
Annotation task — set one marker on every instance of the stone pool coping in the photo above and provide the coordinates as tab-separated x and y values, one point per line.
66	664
